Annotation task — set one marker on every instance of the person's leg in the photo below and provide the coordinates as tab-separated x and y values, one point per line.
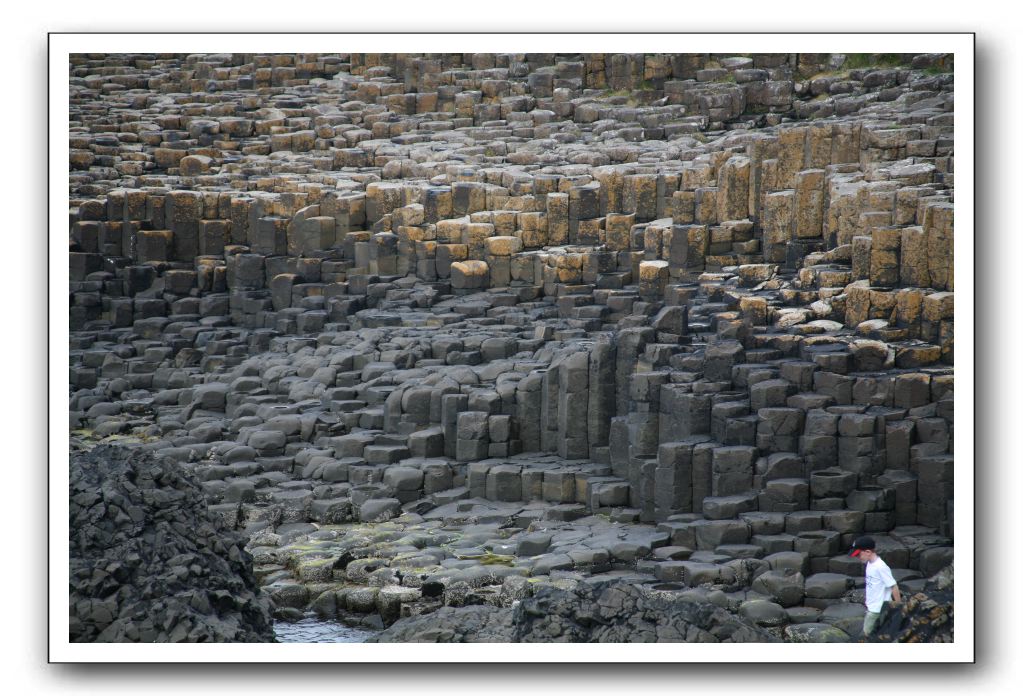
870	620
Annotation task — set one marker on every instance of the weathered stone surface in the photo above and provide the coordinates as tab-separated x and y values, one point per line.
439	323
605	613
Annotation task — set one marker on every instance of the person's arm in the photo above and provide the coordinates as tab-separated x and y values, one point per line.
889	581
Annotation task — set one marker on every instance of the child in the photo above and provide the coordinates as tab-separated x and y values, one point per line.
880	588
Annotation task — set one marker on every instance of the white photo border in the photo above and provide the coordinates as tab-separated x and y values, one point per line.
960	44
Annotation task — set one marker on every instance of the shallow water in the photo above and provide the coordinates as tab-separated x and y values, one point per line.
314	630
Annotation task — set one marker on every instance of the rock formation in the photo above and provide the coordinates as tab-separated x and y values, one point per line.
444	329
149	563
593	613
925	616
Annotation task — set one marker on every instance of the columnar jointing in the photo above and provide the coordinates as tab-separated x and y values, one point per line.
449	328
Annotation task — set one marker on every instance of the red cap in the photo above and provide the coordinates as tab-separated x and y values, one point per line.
862	544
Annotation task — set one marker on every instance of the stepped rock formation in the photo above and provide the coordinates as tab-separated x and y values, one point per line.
446	329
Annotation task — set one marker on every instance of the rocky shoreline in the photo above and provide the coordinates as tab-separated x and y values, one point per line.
150	563
529	346
400	574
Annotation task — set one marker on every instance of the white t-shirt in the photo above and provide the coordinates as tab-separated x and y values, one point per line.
879	584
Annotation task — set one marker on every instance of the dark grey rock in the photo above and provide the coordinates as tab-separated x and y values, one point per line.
600	613
149	563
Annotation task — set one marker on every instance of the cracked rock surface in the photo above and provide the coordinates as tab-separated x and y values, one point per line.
150	563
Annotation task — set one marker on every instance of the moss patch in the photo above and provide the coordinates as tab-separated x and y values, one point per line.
489	558
854	61
88	438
